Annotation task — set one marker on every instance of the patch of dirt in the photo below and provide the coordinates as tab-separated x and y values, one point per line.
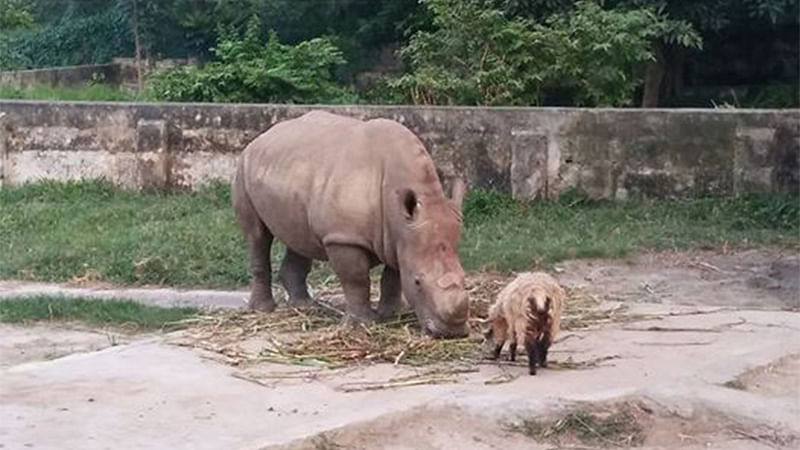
643	424
778	379
628	424
28	343
419	429
753	279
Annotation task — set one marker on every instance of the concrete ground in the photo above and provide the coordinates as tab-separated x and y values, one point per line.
716	366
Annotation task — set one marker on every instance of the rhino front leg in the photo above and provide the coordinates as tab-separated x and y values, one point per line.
293	273
389	304
352	265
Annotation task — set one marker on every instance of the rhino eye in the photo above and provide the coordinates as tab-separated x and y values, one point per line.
417	281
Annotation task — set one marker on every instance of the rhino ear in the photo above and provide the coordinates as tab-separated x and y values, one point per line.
457	193
409	203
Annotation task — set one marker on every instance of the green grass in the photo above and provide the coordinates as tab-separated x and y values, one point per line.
506	235
90	230
91	311
96	92
618	429
55	232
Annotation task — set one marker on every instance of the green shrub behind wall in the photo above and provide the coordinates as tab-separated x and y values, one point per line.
91	40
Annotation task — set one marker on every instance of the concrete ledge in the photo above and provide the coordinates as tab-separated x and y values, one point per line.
66	76
529	152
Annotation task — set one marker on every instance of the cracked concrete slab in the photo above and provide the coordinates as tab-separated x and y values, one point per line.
721	346
154	394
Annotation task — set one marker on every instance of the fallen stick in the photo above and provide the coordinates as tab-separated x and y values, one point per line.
330	307
673	330
252	380
705	265
758	439
671	344
502	378
375	386
716	329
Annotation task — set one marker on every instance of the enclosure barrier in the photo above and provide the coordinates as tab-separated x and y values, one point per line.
530	152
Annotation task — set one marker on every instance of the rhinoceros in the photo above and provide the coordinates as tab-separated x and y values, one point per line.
357	194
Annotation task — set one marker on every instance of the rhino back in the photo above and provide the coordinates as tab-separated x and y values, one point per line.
322	179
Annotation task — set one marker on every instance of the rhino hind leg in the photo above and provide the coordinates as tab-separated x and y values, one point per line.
261	272
390	301
259	242
293	274
352	265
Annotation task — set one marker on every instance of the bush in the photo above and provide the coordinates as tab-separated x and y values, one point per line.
92	40
248	70
478	56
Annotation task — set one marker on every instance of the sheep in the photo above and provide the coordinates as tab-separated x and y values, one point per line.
527	310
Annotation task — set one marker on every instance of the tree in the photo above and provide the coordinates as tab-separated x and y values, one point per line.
14	16
479	55
247	69
148	21
665	74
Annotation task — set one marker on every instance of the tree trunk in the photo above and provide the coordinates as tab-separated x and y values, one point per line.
138	45
676	67
654	73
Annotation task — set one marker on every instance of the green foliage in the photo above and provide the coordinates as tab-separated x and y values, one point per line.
249	70
715	15
478	56
88	40
14	15
474	56
601	51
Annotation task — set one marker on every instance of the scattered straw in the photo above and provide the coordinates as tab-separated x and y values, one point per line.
315	337
336	346
583	310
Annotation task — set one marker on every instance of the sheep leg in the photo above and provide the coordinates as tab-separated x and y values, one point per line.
543	345
512	351
533	355
497	349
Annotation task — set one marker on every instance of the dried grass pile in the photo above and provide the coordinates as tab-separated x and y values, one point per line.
584	310
314	336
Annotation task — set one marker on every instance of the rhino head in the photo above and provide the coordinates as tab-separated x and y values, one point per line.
430	269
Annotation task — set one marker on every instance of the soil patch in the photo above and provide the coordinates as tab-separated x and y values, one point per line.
777	379
42	342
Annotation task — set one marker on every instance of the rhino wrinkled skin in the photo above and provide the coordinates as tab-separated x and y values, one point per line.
357	194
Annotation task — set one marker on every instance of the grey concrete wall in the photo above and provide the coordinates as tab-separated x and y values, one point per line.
119	72
70	76
531	152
